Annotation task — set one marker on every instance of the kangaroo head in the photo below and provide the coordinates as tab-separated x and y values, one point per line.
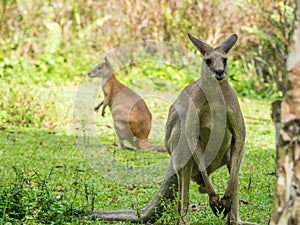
102	70
215	59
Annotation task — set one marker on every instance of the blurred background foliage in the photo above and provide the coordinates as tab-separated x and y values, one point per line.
54	42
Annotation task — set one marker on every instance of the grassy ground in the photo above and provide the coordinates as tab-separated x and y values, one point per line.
45	175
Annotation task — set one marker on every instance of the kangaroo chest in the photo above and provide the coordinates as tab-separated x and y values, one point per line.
214	130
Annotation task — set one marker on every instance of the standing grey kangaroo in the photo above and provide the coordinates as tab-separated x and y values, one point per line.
205	130
131	116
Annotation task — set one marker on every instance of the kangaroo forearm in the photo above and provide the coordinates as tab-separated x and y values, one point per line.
103	110
207	183
205	177
99	105
236	161
201	163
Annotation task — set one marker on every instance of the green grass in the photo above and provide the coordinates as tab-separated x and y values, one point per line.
44	176
47	173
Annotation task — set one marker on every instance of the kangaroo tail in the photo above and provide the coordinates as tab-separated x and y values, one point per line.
152	211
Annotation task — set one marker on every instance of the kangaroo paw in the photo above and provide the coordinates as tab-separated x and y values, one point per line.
225	206
214	203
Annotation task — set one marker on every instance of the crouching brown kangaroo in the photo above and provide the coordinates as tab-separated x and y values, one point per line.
131	117
205	130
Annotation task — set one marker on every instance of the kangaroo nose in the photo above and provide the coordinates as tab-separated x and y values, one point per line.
219	71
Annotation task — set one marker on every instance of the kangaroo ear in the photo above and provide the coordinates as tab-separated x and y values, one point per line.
228	43
106	60
201	46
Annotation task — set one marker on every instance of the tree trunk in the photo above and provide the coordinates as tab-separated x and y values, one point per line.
286	209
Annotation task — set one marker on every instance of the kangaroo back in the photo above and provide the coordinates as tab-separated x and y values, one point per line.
131	116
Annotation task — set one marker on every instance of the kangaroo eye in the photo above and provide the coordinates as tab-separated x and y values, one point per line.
99	67
208	61
225	61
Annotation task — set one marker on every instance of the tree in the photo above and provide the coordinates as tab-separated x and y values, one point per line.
286	209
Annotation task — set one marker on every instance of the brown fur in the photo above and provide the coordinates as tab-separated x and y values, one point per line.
131	116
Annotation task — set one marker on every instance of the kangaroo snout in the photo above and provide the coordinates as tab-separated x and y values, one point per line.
90	74
219	71
219	74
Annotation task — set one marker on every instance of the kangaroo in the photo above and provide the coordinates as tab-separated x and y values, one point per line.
205	130
131	116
